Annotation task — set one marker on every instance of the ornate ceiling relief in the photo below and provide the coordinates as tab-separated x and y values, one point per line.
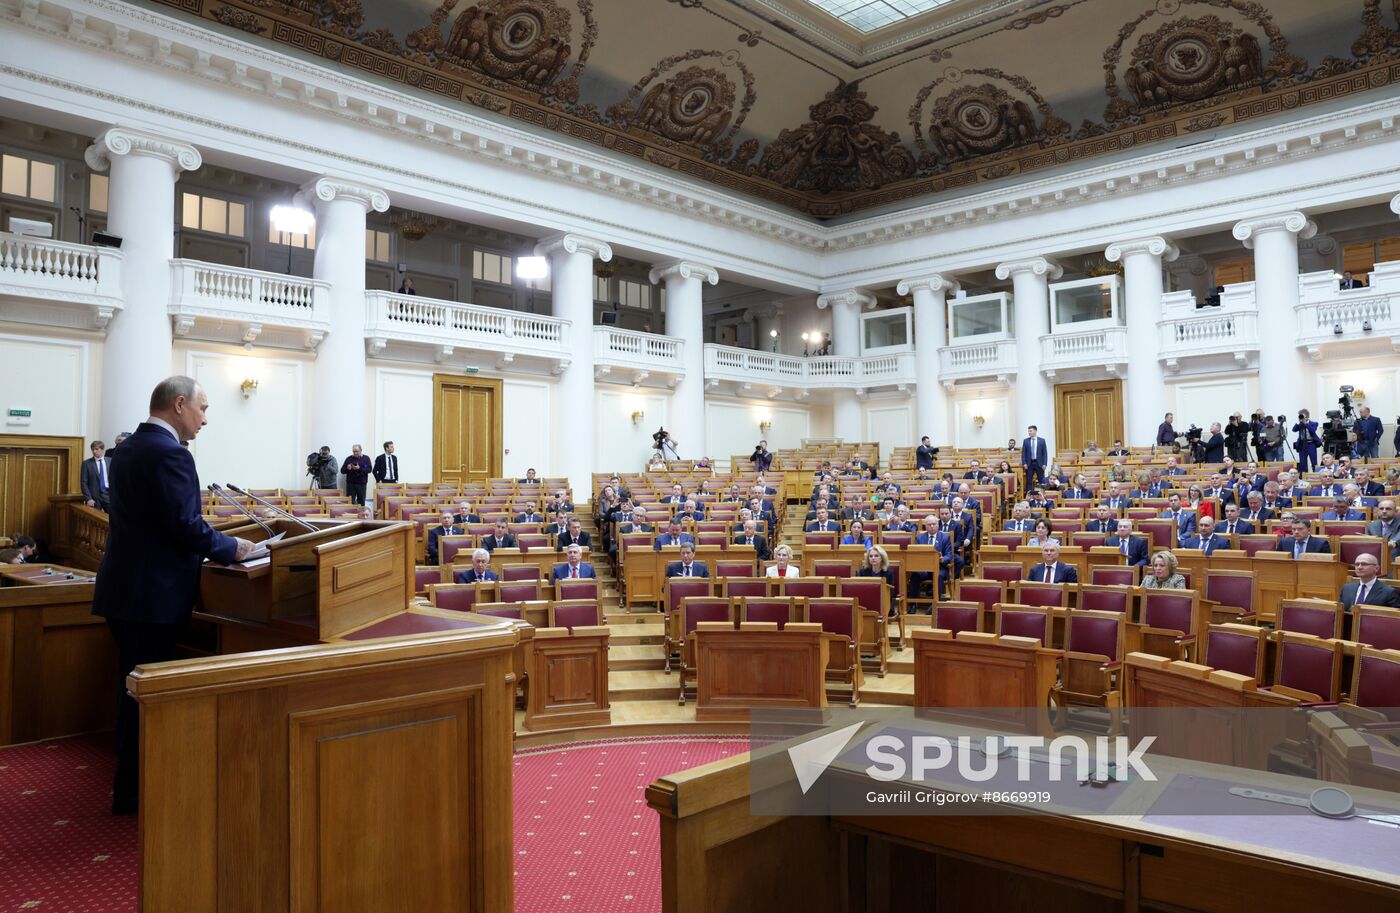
979	120
694	105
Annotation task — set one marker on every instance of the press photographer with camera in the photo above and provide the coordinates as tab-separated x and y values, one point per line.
1307	443
761	459
664	444
323	468
1237	433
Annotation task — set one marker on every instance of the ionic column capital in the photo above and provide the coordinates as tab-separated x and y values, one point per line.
328	188
683	269
119	141
850	296
1294	222
1155	245
1036	266
934	282
1395	204
571	243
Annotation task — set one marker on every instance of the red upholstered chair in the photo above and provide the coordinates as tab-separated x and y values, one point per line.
676	590
1010	540
1318	617
450	546
1375	679
986	593
716	539
1014	620
1349	546
1236	648
1086	540
1231	589
1255	543
1106	599
422	576
825	567
693	610
779	609
1376	627
747	587
501	609
895	539
873	596
575	613
1113	575
518	590
1092	659
1307	668
958	616
583	588
807	587
514	572
1028	592
1170	623
455	597
730	568
820	540
534	540
1068	513
839	618
1008	573
1160	532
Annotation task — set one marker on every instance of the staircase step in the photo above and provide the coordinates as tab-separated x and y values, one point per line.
895	688
623	658
643	685
634	635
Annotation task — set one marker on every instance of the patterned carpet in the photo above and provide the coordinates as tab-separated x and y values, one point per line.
584	837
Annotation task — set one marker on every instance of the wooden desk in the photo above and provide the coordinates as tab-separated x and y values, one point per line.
354	776
568	678
758	667
964	676
42	575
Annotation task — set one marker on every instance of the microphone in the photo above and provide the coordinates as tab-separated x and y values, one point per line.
274	508
220	493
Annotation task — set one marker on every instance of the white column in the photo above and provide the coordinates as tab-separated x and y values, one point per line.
340	417
930	335
1146	397
141	211
685	320
1274	239
1035	401
571	283
845	341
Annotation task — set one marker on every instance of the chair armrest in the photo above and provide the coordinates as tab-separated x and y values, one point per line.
1111	666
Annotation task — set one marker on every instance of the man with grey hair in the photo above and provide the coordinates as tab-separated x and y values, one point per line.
478	572
157	541
574	567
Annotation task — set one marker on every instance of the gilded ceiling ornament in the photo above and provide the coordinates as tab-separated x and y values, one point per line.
693	105
976	120
1376	38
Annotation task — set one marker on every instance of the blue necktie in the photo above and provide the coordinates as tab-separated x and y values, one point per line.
102	474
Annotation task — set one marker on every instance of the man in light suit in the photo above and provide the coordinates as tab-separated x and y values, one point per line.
574	568
687	566
750	537
1369	589
1205	539
1052	571
157	541
1134	548
1303	541
445	528
478	572
1035	457
96	477
573	535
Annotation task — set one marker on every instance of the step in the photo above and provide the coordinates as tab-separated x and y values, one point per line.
635	635
896	688
644	685
633	618
633	658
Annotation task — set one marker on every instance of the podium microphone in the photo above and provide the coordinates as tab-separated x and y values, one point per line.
220	493
275	509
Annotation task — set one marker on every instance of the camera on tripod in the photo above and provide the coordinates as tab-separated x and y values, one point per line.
1194	445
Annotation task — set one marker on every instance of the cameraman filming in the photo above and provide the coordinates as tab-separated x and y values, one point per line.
761	458
1335	438
664	444
1270	439
1307	443
1237	433
322	467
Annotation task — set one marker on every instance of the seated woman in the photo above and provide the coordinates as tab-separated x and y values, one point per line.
856	535
783	566
1163	575
1196	502
1042	536
876	564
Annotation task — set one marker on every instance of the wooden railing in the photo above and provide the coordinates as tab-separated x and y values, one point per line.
77	533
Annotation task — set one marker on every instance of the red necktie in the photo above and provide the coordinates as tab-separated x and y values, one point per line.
574	573
1049	568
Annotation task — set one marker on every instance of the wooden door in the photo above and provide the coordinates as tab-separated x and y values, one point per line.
34	467
466	429
1088	412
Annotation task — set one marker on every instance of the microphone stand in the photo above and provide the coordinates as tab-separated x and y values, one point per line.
274	508
220	493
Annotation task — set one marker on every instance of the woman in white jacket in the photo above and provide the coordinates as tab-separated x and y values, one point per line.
783	566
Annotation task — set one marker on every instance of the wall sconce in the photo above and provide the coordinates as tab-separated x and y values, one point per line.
248	387
979	420
637	416
765	425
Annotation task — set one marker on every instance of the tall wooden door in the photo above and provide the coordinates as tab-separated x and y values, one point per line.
32	468
466	428
1088	412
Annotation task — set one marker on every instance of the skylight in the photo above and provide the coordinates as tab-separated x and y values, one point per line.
869	15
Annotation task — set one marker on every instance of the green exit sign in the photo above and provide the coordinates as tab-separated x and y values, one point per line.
21	413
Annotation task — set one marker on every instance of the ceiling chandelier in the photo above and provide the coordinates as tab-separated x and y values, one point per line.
414	226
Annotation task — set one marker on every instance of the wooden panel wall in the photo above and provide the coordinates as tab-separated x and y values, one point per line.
32	469
467	419
1088	412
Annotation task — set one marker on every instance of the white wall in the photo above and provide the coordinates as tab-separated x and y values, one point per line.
890	423
1202	400
53	378
527	435
624	446
255	442
403	414
731	426
1378	378
993	404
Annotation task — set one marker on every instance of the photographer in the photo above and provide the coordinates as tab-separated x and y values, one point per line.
322	467
1307	443
761	459
1336	440
1237	438
664	444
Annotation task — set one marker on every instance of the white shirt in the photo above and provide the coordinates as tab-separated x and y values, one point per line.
792	571
162	423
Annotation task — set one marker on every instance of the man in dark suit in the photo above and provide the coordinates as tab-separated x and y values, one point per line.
528	515
1220	490
1205	538
574	568
1303	541
1166	434
1052	571
1368	430
1255	512
1118	449
1327	486
673	536
1232	525
943	544
638	523
976	473
823	523
573	534
499	538
1348	281
157	540
1103	522
1387	524
478	572
1134	548
924	454
386	466
444	528
1343	511
1215	444
1368	486
465	514
1035	457
96	477
1116	500
1369	589
531	478
687	566
750	536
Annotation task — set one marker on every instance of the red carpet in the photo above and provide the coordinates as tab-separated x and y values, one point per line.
584	837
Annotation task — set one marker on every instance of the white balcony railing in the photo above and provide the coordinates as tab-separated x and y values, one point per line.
1106	347
747	366
1187	332
1328	314
57	272
966	360
256	303
640	352
451	325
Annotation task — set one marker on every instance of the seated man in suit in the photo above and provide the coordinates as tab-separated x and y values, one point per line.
1369	488
1327	486
95	475
673	536
1172	468
1051	570
573	535
1368	588
638	523
900	522
574	567
976	473
1118	449
567	506
1206	538
445	528
1185	519
1355	499
1255	512
1103	522
750	536
819	504
677	495
531	478
1079	489
465	514
970	519
1232	525
1387	524
478	572
1302	541
1219	489
762	510
856	509
687	566
1020	521
691	511
528	515
1116	500
499	538
943	544
823	523
1134	548
1343	511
